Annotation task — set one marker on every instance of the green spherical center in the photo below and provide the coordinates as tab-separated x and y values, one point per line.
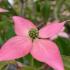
33	33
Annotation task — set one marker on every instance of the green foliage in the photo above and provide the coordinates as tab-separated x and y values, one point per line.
66	60
1	41
46	10
2	64
64	45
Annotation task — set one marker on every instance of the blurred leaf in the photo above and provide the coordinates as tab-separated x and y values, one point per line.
46	10
66	60
38	9
1	41
57	9
5	4
2	65
68	3
36	63
64	45
6	28
8	65
10	32
28	68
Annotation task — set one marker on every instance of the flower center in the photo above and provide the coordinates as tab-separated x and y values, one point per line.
33	33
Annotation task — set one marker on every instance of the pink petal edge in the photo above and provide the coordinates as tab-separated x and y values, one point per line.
51	30
3	10
22	25
46	51
59	34
64	34
15	47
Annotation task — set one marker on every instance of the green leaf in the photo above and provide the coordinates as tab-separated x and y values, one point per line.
2	65
29	60
64	45
1	41
66	60
10	32
38	9
46	10
57	9
28	68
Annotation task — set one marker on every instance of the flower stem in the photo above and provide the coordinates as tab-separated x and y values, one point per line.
32	62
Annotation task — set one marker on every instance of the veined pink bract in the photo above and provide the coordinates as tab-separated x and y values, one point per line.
43	50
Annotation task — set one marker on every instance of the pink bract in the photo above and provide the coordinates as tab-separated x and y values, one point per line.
3	10
43	50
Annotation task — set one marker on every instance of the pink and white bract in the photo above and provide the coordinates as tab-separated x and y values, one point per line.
3	10
41	48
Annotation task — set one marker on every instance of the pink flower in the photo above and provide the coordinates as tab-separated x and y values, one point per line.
3	10
38	43
0	0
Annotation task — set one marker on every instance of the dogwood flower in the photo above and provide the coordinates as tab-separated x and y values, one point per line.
3	10
38	43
